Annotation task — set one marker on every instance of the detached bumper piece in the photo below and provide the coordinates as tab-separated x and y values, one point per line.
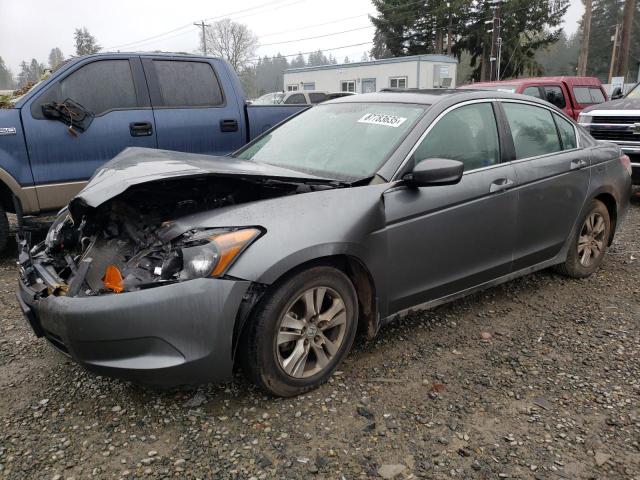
171	335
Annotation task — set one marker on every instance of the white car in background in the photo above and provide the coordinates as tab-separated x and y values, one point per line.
301	97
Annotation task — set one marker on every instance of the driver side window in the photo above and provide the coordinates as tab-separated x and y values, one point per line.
468	134
98	86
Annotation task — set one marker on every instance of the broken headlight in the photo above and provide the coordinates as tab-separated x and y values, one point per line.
210	253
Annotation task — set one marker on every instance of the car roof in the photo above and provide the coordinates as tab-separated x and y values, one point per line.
433	96
591	81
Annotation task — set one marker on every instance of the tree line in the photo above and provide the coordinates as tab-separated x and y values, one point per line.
533	41
31	72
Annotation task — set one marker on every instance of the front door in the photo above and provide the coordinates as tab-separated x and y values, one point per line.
368	85
446	239
553	180
115	91
195	106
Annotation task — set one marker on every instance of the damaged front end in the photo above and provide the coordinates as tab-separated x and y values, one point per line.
137	240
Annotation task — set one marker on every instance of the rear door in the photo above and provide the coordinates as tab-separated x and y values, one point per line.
114	89
446	239
194	105
552	177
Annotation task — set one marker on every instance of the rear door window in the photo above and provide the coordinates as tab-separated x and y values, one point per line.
588	95
567	132
554	95
533	130
98	86
188	84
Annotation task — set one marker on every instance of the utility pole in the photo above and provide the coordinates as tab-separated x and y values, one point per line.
449	30
625	38
204	40
614	52
496	45
583	59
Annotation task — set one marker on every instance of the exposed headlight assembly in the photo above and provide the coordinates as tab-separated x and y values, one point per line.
210	253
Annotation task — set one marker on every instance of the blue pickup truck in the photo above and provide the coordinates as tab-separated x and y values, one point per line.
167	101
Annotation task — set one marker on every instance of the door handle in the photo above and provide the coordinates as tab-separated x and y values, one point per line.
577	164
501	184
229	125
140	129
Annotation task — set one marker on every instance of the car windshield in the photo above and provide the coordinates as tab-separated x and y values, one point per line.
634	93
269	99
344	141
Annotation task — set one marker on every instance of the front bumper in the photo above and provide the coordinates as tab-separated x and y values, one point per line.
170	335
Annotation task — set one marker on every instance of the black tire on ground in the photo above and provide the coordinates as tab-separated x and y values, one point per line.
577	264
284	311
4	229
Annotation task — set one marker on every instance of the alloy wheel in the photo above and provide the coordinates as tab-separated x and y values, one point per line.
311	332
591	242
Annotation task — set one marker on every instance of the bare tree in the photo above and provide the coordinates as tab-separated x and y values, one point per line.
584	42
232	41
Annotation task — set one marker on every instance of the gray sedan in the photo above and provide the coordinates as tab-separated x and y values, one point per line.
173	268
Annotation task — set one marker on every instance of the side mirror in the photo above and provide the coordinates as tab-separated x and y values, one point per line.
435	171
617	93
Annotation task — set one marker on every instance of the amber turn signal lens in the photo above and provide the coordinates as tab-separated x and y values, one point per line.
112	279
230	245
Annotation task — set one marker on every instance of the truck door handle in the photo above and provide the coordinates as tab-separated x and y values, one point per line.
577	164
229	125
500	185
140	129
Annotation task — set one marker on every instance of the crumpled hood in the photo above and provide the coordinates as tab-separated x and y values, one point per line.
136	165
619	104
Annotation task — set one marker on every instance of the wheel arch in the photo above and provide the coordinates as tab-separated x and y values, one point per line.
353	267
612	207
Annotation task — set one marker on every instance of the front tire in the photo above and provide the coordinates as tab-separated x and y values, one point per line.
301	332
589	242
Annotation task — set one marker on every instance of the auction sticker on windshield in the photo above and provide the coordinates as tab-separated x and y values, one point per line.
382	119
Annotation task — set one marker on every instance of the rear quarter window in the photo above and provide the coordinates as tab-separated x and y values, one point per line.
188	84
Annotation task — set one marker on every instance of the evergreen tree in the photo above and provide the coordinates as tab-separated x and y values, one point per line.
298	62
35	71
86	43
55	58
23	74
6	77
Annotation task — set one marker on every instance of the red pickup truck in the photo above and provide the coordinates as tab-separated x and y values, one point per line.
570	94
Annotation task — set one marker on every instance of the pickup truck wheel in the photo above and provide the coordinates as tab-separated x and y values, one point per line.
4	229
589	243
302	331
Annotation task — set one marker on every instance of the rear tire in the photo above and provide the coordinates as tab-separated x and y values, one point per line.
301	332
4	229
589	242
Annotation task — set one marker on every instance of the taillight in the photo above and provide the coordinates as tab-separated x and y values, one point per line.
626	163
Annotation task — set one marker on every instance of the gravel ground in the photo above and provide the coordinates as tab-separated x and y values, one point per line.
538	378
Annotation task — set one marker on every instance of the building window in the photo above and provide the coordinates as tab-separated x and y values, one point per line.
292	88
309	86
348	86
398	82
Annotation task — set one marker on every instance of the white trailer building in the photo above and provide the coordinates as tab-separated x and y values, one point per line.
418	71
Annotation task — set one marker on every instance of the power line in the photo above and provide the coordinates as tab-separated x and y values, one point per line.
147	39
317	36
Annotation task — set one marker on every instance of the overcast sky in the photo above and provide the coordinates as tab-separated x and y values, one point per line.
30	28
